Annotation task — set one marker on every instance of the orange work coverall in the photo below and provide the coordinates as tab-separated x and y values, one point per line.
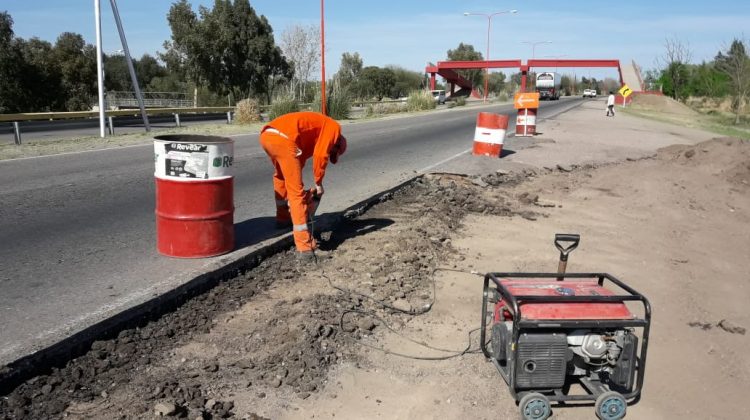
289	141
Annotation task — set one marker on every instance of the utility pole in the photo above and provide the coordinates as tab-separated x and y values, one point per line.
99	66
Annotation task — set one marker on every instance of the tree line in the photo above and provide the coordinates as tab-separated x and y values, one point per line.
216	55
726	76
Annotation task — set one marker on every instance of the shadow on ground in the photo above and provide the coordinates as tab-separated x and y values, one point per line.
251	231
352	229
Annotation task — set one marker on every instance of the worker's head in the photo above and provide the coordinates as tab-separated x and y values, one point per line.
338	149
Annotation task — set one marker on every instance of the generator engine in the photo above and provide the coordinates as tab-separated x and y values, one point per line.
547	360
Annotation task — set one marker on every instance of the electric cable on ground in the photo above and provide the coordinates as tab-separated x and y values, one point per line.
424	310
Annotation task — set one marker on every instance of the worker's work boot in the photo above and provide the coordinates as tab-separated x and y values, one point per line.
312	257
306	257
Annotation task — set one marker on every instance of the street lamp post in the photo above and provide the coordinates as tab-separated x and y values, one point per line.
322	60
487	57
533	46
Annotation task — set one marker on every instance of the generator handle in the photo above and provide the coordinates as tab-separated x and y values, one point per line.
573	239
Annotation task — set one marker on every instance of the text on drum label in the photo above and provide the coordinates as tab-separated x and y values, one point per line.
186	147
225	161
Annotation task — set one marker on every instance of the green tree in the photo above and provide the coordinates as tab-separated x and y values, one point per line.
736	65
405	81
116	74
707	81
375	81
185	53
41	79
148	68
11	66
350	69
674	80
229	47
496	84
566	84
77	64
466	52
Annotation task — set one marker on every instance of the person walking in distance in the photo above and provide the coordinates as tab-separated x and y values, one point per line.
290	140
611	104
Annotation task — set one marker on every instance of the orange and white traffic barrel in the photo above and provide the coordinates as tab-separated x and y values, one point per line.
526	122
194	195
489	134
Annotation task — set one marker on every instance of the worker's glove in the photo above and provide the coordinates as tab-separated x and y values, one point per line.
319	190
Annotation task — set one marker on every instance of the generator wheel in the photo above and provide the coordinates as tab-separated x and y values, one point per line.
610	405
534	406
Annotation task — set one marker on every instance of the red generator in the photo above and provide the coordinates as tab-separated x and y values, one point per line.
566	337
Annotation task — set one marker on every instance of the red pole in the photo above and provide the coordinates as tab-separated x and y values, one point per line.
487	70
322	60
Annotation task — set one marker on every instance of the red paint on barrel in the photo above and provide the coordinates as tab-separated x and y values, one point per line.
489	134
194	219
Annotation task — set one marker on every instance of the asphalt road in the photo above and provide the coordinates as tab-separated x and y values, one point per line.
78	230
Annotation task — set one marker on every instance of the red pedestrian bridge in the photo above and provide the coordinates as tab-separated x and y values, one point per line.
447	69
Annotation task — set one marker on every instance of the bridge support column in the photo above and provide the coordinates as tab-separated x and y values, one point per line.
453	88
524	74
432	81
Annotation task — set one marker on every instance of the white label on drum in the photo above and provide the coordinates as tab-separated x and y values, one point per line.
489	135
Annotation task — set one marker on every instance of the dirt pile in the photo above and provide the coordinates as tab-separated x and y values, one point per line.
727	158
661	103
275	330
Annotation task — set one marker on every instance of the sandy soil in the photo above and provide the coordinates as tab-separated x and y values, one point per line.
294	341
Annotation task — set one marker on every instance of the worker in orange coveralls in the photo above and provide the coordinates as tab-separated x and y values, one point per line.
289	141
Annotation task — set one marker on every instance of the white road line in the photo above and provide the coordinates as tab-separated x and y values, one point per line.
427	168
76	152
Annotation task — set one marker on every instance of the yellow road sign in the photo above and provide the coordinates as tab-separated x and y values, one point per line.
625	91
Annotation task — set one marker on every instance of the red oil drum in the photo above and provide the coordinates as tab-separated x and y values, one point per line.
526	122
194	195
489	134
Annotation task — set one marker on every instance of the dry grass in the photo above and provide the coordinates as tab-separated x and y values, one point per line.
715	123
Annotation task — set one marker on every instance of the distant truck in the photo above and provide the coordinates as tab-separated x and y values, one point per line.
548	85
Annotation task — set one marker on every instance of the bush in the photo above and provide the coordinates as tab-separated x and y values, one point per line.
281	106
338	104
420	100
247	112
460	101
503	97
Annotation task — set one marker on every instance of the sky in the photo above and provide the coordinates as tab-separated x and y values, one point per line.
411	33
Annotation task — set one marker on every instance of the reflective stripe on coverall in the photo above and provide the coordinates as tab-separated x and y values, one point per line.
289	141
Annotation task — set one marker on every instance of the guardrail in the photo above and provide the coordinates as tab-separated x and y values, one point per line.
16	119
